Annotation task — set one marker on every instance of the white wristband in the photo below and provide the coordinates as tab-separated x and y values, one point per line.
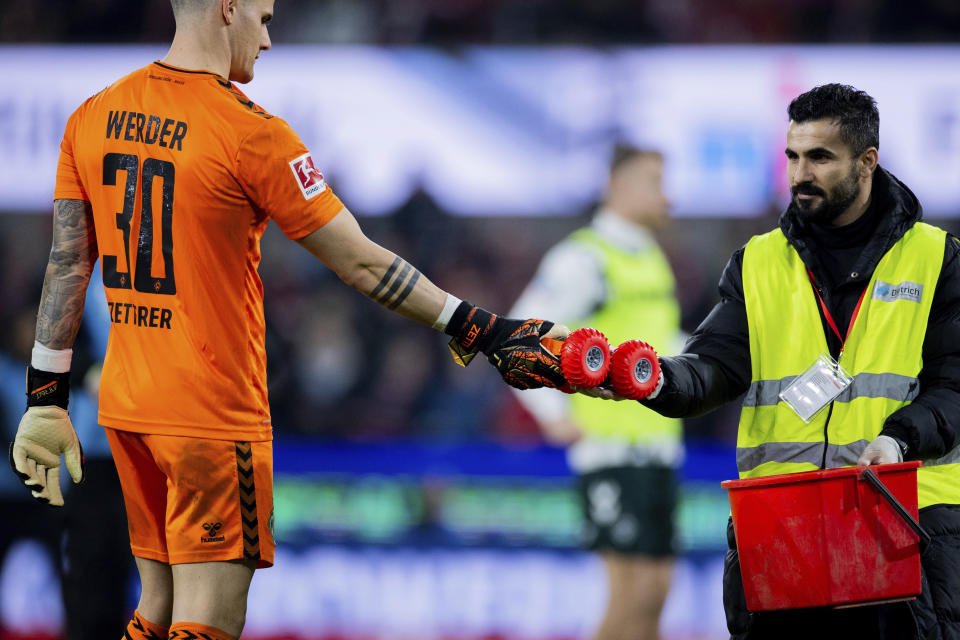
656	391
52	360
447	312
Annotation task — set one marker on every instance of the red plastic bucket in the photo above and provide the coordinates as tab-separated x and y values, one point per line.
827	538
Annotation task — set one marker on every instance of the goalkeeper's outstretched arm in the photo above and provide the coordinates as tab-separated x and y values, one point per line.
374	271
45	431
513	346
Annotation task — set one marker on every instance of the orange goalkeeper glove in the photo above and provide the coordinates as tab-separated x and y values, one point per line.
512	346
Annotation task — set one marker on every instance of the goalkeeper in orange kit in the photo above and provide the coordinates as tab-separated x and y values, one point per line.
170	175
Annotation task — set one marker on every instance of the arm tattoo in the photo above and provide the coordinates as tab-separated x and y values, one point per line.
68	272
406	278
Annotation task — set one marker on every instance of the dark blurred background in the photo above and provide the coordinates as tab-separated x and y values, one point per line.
458	22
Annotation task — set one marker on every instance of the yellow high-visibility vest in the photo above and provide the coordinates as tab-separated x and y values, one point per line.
883	354
640	304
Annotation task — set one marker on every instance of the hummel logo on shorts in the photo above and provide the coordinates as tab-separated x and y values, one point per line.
212	528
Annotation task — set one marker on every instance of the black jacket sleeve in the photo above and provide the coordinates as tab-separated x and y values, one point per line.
714	367
930	425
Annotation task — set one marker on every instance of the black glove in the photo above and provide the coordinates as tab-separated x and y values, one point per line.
512	346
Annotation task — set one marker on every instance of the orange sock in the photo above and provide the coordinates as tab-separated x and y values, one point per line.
142	629
197	631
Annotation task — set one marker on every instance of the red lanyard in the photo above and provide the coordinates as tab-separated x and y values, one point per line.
826	312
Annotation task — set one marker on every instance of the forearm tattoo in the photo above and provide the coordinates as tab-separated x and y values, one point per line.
396	284
68	272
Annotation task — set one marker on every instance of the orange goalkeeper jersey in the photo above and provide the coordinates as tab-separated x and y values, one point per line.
183	173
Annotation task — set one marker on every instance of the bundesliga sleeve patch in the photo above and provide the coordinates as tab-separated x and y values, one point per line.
308	176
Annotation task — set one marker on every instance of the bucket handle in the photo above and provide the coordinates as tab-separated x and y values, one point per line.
883	491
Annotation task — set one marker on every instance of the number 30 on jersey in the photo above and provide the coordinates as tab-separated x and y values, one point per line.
118	276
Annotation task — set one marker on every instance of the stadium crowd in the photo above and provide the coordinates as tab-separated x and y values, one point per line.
454	22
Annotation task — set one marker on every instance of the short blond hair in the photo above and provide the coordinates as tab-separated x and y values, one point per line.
181	7
623	153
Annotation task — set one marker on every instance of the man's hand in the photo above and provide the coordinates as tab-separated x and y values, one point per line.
45	433
883	450
604	393
607	393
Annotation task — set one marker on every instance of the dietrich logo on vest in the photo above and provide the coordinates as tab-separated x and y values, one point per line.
904	291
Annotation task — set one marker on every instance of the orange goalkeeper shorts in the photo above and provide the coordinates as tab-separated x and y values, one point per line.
196	499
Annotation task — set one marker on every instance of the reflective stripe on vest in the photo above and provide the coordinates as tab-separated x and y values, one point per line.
865	385
838	455
800	452
883	353
640	303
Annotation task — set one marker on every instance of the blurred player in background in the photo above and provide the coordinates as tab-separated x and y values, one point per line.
171	175
612	275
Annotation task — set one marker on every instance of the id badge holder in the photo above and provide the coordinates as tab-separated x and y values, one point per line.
816	387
